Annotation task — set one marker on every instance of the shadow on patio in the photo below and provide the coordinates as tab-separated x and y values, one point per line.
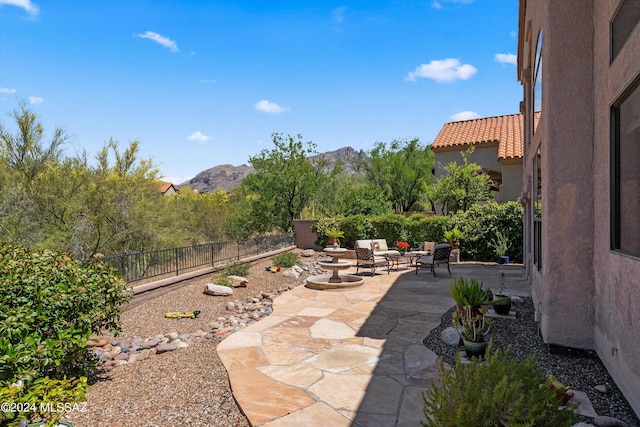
403	317
352	357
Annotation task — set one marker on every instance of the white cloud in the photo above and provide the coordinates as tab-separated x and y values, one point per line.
464	115
338	14
437	4
35	100
199	137
208	81
506	58
162	40
443	71
269	107
27	5
7	90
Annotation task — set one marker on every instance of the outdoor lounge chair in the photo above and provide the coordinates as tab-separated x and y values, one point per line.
439	256
366	258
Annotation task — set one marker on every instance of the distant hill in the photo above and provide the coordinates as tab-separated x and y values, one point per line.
227	177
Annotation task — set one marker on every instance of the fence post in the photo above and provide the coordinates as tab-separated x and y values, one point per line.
212	255
123	268
238	247
177	264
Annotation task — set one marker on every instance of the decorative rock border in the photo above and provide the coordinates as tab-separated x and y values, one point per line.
122	351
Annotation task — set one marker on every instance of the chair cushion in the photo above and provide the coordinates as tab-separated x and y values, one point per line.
425	259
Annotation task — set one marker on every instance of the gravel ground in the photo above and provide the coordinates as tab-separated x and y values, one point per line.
582	370
187	387
190	386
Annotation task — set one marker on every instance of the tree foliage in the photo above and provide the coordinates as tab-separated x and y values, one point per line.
400	171
284	183
464	185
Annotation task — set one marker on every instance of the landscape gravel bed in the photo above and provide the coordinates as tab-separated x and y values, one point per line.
187	387
581	370
190	386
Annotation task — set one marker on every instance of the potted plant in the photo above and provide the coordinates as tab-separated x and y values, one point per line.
453	236
501	301
500	247
402	247
470	318
473	329
334	236
469	294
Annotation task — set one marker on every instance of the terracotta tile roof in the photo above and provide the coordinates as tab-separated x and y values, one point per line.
164	187
505	130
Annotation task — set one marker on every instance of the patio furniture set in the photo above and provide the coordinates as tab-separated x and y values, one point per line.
375	252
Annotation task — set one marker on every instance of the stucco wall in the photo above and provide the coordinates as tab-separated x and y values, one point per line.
617	289
587	294
511	182
485	157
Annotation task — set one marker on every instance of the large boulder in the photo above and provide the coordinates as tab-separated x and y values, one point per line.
217	290
238	281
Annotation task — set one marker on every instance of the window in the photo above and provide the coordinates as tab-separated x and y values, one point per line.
537	211
624	21
625	169
537	76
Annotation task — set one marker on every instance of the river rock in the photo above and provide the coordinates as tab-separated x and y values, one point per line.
609	422
151	342
217	290
165	347
308	253
239	282
450	336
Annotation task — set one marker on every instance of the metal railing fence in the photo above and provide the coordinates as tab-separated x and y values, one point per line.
138	266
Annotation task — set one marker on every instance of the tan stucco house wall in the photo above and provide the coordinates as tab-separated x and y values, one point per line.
586	292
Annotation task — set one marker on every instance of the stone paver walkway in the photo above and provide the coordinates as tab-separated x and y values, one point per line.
348	358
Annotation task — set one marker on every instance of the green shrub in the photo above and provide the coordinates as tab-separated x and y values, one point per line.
390	227
224	281
236	268
356	227
481	224
502	392
436	226
50	305
285	259
321	226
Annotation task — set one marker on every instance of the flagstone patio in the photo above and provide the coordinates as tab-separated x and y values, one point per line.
351	357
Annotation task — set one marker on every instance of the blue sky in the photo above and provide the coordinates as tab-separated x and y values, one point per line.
204	83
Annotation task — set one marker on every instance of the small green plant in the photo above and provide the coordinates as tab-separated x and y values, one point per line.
473	324
285	259
334	233
453	235
237	268
224	281
500	244
468	294
500	392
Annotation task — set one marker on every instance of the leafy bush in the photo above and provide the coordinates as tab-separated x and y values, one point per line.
501	392
481	224
321	226
390	227
356	227
224	281
50	305
285	259
236	268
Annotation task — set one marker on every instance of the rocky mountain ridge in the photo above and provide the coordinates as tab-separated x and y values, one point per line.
227	177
